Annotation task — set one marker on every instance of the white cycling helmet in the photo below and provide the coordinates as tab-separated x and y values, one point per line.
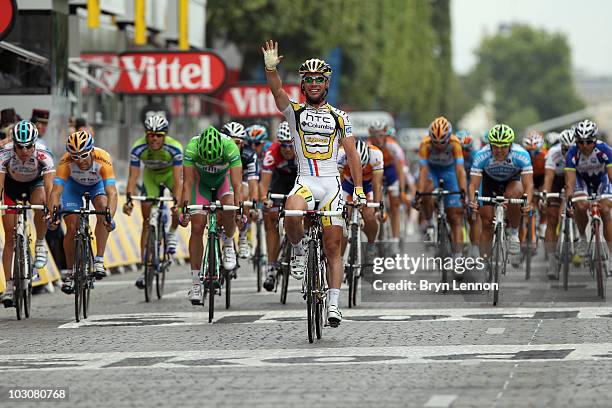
234	130
552	138
567	137
364	152
585	130
283	133
156	123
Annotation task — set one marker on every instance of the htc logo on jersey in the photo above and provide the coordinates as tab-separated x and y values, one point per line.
315	123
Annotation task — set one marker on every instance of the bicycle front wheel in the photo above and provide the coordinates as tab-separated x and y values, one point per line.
211	275
150	263
79	277
528	250
284	267
311	271
443	252
350	268
164	263
497	264
598	262
258	254
18	275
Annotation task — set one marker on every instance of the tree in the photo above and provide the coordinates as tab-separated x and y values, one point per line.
396	53
529	70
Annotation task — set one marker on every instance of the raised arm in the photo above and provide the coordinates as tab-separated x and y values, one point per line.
271	60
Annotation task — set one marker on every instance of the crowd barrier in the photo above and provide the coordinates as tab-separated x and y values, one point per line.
122	249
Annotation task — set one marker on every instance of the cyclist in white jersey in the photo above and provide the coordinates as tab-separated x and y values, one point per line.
317	130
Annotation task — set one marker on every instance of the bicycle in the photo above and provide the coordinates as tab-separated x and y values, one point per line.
443	236
259	258
314	284
353	264
284	254
212	275
82	269
156	259
598	251
497	263
22	271
564	248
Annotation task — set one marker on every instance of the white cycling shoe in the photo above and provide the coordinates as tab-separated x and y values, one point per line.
514	244
243	247
195	294
298	265
334	317
229	258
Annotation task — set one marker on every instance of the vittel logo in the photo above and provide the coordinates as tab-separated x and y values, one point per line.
255	100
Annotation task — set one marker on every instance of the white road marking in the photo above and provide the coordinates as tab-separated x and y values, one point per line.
496	330
457	354
440	401
200	317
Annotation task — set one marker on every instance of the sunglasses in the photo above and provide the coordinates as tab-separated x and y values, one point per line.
24	147
585	142
286	145
314	80
156	134
237	141
81	156
438	142
500	145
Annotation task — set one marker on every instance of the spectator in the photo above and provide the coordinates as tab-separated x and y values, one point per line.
40	118
8	118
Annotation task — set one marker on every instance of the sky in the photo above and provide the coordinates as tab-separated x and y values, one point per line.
586	23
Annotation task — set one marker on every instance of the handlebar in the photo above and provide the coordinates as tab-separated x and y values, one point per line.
318	213
23	207
150	199
276	196
501	200
591	198
369	205
212	207
438	192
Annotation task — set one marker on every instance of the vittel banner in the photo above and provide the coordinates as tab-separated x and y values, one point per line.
249	101
168	72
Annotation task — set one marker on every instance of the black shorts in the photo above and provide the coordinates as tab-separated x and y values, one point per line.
557	185
15	190
282	183
538	181
493	188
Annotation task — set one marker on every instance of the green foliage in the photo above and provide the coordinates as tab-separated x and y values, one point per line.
396	53
529	71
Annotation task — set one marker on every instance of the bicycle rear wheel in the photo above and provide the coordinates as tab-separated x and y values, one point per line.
350	268
311	271
320	296
598	262
150	263
566	253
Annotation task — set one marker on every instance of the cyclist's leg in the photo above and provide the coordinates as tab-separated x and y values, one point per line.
332	235
580	210
391	181
606	188
244	230
225	194
347	194
100	202
552	217
370	224
38	196
454	208
489	188
300	198
201	194
514	189
8	223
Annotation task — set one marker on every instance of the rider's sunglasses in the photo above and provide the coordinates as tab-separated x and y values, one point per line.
564	150
586	142
156	134
437	142
314	80
24	147
238	141
500	144
81	156
286	145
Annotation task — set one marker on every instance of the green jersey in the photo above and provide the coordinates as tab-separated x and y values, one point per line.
162	160
229	158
